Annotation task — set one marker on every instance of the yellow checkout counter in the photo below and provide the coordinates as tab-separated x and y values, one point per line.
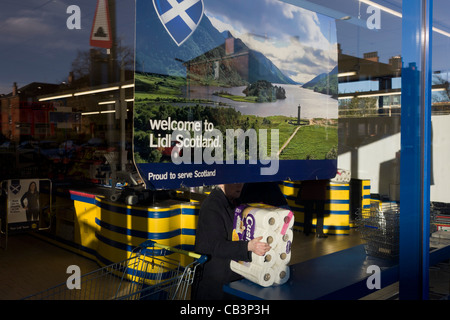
105	231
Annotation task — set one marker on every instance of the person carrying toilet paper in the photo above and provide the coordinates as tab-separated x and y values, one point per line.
214	239
275	226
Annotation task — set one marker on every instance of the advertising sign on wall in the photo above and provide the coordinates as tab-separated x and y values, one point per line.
23	204
233	91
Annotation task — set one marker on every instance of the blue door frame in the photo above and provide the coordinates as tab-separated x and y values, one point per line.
415	150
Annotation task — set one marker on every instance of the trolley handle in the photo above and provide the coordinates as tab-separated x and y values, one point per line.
150	243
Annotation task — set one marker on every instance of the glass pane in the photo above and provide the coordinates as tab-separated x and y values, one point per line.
273	71
67	75
440	172
369	35
369	94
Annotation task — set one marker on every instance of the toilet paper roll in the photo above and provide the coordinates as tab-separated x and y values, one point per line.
262	218
268	260
248	220
287	220
342	176
288	236
261	275
283	252
284	257
282	239
282	273
268	236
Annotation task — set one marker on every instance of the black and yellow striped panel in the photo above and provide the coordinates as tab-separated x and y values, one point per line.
337	207
113	230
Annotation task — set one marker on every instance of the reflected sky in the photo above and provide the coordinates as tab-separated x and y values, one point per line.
38	47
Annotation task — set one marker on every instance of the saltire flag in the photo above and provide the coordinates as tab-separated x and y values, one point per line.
179	17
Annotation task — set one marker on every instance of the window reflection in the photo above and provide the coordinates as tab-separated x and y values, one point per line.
370	65
440	203
62	95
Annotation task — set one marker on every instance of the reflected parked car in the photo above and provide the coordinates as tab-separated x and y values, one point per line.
67	149
8	145
49	149
167	152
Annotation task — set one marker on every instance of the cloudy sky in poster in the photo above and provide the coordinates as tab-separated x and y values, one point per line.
299	42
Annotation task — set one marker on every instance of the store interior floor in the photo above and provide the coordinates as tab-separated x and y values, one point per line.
29	264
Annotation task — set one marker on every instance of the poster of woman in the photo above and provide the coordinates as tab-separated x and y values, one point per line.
23	204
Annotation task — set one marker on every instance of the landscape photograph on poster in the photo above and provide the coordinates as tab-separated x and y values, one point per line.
240	66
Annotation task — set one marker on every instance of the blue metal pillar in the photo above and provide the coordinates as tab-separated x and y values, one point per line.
415	150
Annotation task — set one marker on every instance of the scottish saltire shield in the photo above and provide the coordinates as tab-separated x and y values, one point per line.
179	18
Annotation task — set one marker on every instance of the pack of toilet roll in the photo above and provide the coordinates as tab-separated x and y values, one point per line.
342	176
274	225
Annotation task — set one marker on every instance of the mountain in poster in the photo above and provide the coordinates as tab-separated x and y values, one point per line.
326	83
157	53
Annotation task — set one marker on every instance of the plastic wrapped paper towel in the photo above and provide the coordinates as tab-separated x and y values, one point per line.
287	220
281	240
274	225
342	176
282	273
263	276
285	237
268	236
277	274
268	260
284	233
264	218
283	252
247	219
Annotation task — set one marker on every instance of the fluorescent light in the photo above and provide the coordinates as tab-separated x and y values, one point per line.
398	14
90	113
345	97
445	33
129	100
96	91
385	9
69	95
107	102
98	112
368	95
125	86
380	94
347	74
56	97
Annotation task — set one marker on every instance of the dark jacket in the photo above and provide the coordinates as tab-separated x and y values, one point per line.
312	190
213	238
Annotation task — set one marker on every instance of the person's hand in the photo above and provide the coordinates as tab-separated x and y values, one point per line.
257	247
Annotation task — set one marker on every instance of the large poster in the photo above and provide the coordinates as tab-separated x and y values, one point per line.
234	91
23	204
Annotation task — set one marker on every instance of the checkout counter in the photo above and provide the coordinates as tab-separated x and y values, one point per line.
341	275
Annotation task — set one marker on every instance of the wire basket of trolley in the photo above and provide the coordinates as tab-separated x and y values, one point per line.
152	272
379	226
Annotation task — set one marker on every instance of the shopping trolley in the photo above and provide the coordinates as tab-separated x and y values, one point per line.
379	226
150	273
